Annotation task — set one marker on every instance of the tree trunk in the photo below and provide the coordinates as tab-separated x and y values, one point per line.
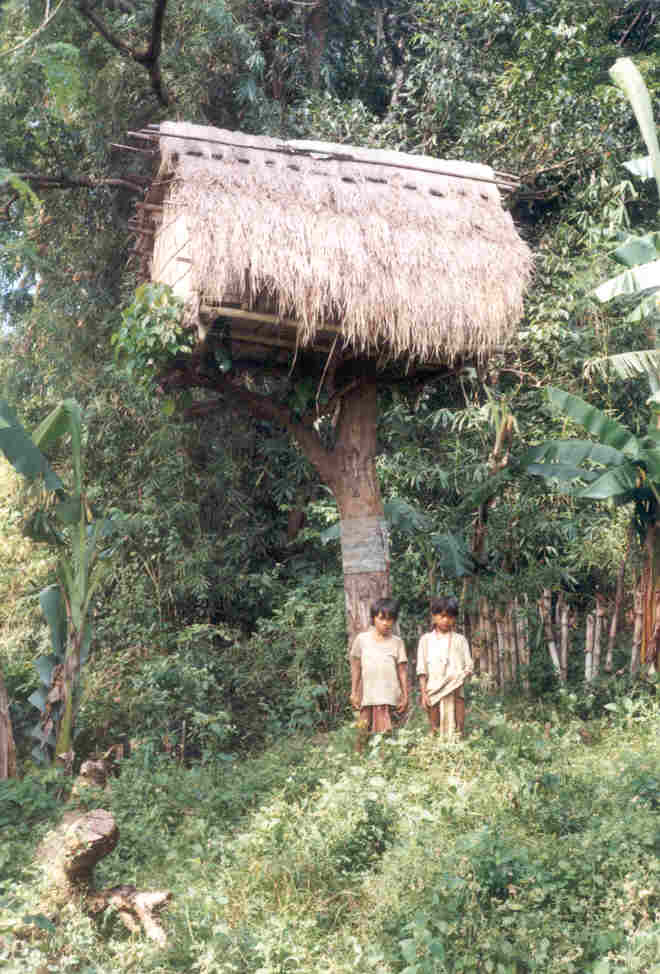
316	29
638	610
7	746
351	475
651	595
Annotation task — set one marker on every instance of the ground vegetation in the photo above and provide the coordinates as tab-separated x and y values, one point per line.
218	665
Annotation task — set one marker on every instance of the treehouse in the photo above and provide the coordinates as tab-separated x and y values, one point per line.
355	264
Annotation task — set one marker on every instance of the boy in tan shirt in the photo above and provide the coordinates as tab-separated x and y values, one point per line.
379	671
443	665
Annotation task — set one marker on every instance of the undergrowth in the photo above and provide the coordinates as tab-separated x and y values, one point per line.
526	847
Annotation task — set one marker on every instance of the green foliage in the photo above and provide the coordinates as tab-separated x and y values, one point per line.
151	332
371	835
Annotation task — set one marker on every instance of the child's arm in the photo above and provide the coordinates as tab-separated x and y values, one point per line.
356	682
402	671
422	672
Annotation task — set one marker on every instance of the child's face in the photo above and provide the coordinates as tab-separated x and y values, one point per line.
383	624
443	622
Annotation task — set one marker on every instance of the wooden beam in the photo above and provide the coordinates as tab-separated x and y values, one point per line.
222	310
256	339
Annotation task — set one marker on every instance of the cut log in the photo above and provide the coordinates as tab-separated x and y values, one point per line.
68	856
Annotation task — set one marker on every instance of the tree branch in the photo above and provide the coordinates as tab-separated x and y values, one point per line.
149	57
261	407
44	23
42	181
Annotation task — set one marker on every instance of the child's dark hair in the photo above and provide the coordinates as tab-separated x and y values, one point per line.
386	607
445	605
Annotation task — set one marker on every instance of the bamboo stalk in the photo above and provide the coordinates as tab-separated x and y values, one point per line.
564	638
511	637
501	647
589	648
522	632
601	612
491	644
545	609
618	602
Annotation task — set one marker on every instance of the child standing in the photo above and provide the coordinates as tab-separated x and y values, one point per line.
443	665
379	671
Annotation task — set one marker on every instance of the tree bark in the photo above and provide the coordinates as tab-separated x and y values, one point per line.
651	590
348	469
351	474
316	29
69	855
7	746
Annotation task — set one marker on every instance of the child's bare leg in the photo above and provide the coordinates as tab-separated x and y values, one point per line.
459	709
434	717
363	729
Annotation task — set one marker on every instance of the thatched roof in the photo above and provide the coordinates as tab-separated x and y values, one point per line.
398	254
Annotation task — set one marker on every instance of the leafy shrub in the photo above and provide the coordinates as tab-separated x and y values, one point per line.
371	835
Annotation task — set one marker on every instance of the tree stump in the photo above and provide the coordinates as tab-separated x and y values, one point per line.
68	856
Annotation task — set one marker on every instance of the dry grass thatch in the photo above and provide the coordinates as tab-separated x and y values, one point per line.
408	255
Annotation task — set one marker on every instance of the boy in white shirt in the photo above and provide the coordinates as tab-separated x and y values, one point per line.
443	665
379	672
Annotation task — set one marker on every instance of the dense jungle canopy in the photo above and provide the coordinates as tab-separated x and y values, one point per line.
220	626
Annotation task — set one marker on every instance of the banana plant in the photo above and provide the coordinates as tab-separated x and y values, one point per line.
617	466
639	254
86	544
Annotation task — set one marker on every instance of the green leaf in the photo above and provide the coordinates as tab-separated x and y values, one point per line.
409	950
627	365
637	250
640	167
562	471
53	607
402	516
22	452
69	511
630	282
333	533
65	418
44	666
454	558
613	483
39	920
625	74
608	431
38	700
572	452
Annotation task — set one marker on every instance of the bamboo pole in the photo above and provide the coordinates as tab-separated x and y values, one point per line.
545	609
7	746
491	644
601	612
589	648
501	647
522	633
511	636
564	629
618	602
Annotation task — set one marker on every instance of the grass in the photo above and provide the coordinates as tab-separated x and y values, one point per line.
520	849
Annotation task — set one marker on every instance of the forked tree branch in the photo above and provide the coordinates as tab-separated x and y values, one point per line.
149	56
259	406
